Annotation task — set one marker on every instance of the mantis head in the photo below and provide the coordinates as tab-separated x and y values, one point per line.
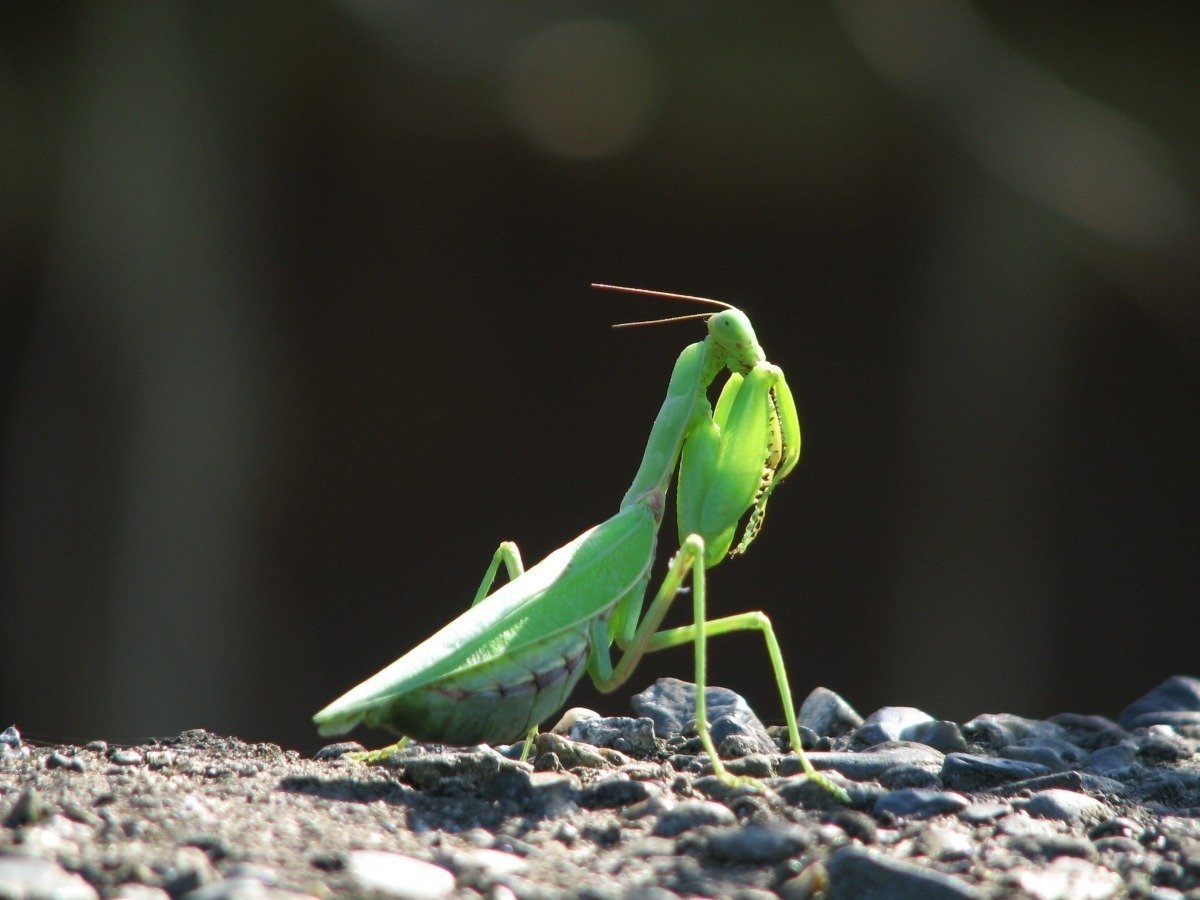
734	341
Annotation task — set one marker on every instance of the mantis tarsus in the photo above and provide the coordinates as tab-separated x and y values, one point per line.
510	661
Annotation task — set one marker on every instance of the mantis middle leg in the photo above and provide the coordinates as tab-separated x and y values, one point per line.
511	556
690	559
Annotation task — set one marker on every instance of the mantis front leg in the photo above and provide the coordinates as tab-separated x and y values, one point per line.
690	559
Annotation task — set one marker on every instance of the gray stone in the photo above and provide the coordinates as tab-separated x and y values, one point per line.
826	713
1001	729
860	874
1067	806
869	764
126	758
941	735
757	844
241	887
1052	846
899	777
614	792
920	804
395	875
1176	701
979	813
733	738
571	754
489	863
671	704
28	878
189	870
1044	756
335	751
968	772
26	810
1161	745
692	814
621	733
10	744
889	724
59	760
1068	781
135	891
1114	761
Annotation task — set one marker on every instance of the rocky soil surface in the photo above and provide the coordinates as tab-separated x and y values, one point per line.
1075	806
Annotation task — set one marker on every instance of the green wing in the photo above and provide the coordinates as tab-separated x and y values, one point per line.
574	583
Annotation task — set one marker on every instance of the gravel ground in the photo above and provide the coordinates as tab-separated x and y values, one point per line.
1075	807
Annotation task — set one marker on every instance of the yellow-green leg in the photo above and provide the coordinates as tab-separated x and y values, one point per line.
690	559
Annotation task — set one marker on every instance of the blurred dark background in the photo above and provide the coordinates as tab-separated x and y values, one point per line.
296	328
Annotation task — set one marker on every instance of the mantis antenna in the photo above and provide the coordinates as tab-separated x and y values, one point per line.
646	292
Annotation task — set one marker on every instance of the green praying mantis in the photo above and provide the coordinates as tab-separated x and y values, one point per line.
496	672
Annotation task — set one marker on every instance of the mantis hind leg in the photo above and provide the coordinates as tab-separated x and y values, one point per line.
383	754
690	559
510	554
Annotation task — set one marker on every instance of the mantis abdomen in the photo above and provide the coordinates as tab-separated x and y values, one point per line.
495	702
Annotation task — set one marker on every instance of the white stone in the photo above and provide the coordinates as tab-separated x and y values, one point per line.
394	875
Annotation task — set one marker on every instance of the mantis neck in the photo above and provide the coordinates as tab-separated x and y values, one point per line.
686	399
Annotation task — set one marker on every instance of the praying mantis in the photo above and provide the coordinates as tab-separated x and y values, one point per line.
496	672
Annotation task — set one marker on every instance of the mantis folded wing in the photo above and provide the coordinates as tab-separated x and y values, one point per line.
512	659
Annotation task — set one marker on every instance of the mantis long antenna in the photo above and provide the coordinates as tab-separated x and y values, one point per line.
666	295
662	321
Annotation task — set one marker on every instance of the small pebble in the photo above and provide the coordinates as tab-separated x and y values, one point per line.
622	733
671	704
889	724
899	777
10	744
692	814
395	875
867	764
968	772
920	804
1067	806
1175	701
33	878
757	844
564	725
856	873
614	792
491	863
941	735
979	813
1043	756
1161	745
59	760
1114	761
826	713
336	751
126	758
1069	879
